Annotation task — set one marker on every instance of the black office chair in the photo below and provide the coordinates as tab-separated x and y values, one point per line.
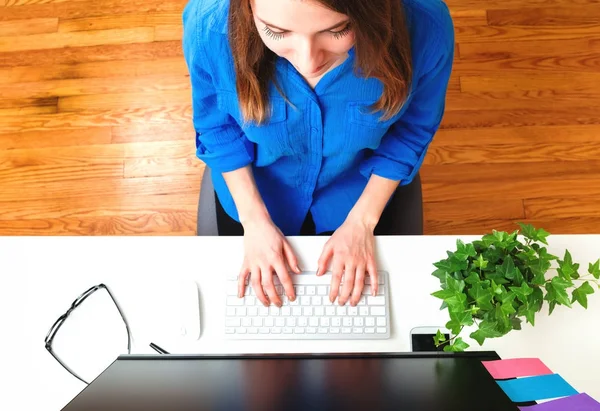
409	200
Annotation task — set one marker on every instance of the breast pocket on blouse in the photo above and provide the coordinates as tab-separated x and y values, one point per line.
364	130
271	138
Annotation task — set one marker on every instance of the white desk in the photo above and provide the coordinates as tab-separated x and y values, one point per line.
46	274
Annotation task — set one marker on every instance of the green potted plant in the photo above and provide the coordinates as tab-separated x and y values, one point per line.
496	282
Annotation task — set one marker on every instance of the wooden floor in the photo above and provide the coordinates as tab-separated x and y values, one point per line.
96	135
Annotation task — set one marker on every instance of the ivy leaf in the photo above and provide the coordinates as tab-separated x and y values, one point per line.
454	284
440	273
507	269
552	305
487	329
488	240
535	300
507	308
483	298
557	293
567	269
457	346
497	278
454	326
463	251
463	318
480	262
594	269
444	294
580	294
457	302
536	235
516	323
522	292
439	338
496	288
473	278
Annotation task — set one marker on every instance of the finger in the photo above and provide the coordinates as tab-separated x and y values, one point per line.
336	279
349	274
257	286
242	281
323	263
372	269
286	281
290	257
359	283
267	283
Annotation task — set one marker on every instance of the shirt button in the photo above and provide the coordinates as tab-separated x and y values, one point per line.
314	130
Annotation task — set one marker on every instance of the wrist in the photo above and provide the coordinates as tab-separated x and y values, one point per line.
254	216
363	218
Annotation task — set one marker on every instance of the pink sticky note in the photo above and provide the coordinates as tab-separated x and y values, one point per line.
516	367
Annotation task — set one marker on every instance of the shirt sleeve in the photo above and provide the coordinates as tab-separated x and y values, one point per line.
220	142
403	148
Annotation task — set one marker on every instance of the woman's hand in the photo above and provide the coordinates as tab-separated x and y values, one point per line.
352	250
266	251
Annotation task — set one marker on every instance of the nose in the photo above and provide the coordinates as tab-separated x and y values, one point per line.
308	56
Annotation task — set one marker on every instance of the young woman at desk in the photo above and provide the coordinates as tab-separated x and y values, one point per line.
314	117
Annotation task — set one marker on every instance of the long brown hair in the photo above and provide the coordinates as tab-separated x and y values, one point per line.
382	45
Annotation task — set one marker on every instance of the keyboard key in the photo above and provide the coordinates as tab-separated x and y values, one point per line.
295	302
274	310
311	290
264	330
299	330
297	311
357	330
307	311
257	321
330	311
263	311
363	311
322	290
250	301
302	322
346	330
291	321
370	321
311	330
241	311
288	330
232	288
316	300
229	330
347	321
336	321
381	330
369	330
305	300
233	322
334	330
280	322
252	311
320	311
359	321
313	321
242	330
323	330
230	312
366	290
269	322
362	301
286	311
325	321
300	290
235	301
352	311
247	322
379	300
381	322
252	330
276	330
341	310
377	310
248	291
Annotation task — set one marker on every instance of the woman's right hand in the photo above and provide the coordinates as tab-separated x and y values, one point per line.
267	252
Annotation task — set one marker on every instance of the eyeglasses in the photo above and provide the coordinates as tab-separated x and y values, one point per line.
54	329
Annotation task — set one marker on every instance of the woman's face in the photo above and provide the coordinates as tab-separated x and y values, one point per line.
310	36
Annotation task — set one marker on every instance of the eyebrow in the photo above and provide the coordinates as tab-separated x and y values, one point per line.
327	29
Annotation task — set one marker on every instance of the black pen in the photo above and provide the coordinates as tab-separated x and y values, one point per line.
158	349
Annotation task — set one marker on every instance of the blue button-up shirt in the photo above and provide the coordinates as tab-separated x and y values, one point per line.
318	153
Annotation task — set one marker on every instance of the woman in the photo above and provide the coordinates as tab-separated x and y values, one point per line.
313	116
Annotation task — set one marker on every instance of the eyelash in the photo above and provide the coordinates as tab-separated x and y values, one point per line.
278	36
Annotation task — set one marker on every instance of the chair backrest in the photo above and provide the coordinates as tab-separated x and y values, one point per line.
207	212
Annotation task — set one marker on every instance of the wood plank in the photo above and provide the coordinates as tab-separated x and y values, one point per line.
65	173
523	136
541	100
466	18
521	170
544	48
500	153
175	223
465	210
580	206
98	206
546	16
576	225
581	62
454	83
522	117
94	54
484	33
124	101
168	32
75	39
456	5
137	133
182	184
13	3
69	121
28	26
56	138
174	66
163	166
91	8
31	101
27	111
503	189
582	83
99	85
120	22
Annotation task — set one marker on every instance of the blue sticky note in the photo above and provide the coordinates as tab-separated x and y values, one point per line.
541	387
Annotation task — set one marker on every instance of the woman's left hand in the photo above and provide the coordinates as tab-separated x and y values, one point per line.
351	250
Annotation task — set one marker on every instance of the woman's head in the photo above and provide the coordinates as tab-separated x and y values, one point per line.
314	35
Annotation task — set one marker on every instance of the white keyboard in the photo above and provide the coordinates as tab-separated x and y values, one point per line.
311	316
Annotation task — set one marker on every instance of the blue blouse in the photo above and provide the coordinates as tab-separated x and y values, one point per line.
318	154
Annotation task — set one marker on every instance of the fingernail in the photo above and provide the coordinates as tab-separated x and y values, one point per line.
292	298
318	271
298	269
